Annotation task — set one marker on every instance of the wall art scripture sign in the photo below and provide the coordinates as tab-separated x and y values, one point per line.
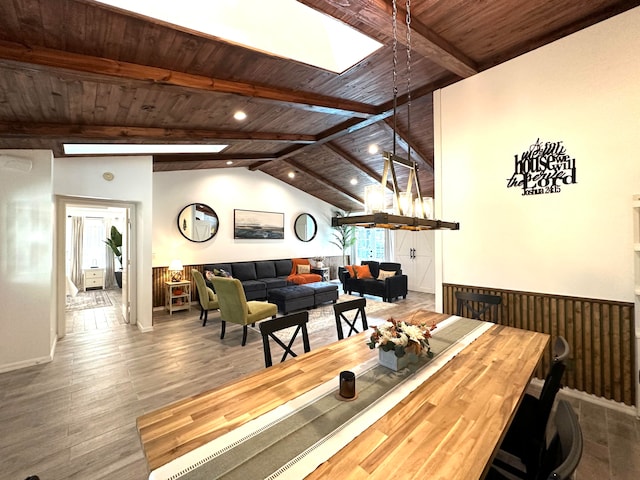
544	168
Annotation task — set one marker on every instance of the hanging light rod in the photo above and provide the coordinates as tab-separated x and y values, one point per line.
402	218
394	222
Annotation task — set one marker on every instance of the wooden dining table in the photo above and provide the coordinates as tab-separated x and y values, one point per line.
450	426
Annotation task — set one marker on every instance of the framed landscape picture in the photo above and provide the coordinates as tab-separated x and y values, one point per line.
251	224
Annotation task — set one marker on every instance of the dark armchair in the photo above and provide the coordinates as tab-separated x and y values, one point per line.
386	281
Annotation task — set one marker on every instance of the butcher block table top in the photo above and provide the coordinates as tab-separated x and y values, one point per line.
450	426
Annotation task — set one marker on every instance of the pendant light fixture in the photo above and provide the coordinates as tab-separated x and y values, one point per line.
407	213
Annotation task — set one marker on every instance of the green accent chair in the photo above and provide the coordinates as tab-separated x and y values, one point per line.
208	300
235	308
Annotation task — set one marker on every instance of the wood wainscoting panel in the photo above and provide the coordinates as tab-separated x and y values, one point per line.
599	332
161	275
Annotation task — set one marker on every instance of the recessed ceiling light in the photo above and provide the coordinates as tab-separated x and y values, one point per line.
285	28
239	115
136	149
229	162
291	175
373	149
353	181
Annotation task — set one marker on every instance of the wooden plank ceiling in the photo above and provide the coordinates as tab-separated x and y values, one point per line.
75	71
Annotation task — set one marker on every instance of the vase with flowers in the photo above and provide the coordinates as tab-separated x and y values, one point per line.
400	342
319	260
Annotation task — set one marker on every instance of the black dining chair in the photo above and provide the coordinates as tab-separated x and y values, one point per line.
357	308
476	306
525	438
559	460
268	329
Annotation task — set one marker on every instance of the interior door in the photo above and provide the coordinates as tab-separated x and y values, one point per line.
403	254
415	252
126	263
423	259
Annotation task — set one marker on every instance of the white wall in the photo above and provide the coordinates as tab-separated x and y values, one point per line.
132	183
225	190
27	320
583	90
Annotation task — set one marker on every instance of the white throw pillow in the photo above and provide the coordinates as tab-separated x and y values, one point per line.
382	274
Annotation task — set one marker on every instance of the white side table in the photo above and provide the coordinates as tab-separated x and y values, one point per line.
93	278
177	296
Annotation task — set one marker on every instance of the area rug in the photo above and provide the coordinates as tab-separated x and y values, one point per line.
86	300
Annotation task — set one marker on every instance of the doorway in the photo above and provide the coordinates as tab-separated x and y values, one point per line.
89	294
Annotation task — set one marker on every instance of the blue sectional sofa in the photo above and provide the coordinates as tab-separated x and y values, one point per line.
257	278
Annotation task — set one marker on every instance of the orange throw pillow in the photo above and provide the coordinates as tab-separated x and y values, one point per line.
351	271
362	271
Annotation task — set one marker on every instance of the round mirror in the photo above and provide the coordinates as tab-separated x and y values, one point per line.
305	227
198	222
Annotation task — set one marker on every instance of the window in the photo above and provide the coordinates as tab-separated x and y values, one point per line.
93	246
372	244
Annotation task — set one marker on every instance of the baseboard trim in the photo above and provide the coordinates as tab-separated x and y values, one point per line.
144	329
9	367
536	385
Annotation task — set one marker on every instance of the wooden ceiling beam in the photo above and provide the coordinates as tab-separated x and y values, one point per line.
403	139
376	15
47	57
209	157
324	181
355	124
115	133
342	153
178	163
328	135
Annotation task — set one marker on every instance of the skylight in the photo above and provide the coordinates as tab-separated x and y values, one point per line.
284	28
136	149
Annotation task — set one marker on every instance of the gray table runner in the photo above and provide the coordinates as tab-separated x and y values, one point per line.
265	451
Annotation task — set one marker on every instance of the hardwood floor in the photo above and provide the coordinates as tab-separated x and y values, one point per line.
74	418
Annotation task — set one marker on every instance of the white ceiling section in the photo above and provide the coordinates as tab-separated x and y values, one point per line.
137	149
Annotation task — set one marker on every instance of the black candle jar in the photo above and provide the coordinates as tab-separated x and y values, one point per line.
347	384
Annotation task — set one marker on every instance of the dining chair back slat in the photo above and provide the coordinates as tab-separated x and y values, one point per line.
358	307
479	306
269	328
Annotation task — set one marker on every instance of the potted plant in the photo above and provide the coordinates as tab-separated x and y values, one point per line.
344	236
401	342
115	243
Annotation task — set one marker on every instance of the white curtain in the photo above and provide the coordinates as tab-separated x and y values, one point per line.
77	234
